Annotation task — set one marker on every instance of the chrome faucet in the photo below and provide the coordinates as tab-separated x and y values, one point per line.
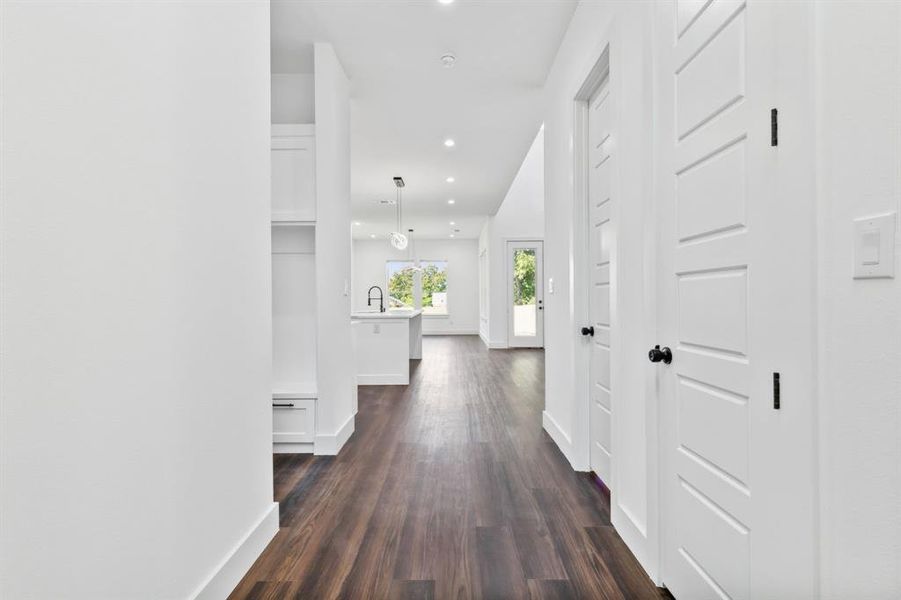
381	298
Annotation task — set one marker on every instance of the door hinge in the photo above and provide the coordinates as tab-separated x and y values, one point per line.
777	401
774	127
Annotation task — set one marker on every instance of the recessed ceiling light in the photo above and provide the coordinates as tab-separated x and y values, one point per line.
372	235
452	235
445	1
450	180
450	143
452	223
448	60
357	223
451	201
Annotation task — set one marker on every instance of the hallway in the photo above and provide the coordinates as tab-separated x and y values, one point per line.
449	488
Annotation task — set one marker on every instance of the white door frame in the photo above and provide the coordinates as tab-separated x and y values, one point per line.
539	292
633	319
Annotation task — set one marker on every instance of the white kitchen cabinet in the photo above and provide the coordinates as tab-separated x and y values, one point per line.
293	173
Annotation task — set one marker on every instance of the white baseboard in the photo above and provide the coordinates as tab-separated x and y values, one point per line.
384	379
562	440
492	345
331	444
292	448
236	564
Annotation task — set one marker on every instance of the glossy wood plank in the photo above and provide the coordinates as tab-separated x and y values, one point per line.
449	488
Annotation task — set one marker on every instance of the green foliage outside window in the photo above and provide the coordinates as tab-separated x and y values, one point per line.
524	277
434	281
400	284
401	276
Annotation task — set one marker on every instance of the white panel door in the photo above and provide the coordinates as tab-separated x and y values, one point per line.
737	488
600	242
525	295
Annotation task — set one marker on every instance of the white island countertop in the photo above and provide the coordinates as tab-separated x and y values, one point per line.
388	314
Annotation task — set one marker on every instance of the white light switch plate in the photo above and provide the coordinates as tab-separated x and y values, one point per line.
874	247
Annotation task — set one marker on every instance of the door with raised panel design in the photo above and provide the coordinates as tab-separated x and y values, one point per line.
738	469
600	232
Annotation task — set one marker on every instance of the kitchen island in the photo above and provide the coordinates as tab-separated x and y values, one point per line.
385	344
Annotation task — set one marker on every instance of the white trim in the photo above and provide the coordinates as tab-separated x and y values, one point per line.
564	443
384	379
595	73
228	574
292	448
331	444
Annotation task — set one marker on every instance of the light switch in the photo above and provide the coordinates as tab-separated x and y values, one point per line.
870	251
874	247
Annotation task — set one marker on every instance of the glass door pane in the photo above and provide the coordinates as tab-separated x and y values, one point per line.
525	318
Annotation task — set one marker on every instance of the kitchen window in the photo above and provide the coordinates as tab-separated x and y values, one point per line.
426	286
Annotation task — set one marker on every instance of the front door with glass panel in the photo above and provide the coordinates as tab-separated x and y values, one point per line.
525	295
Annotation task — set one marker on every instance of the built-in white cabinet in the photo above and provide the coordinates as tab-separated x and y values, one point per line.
293	424
294	315
293	173
313	362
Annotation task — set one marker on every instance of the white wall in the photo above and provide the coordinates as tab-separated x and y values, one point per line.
520	216
627	28
462	258
293	98
859	174
136	425
336	378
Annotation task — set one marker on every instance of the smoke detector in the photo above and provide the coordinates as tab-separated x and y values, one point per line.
448	60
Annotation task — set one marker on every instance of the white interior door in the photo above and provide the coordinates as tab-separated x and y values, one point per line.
734	304
525	295
600	243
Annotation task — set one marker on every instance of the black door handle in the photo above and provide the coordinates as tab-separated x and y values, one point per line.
588	330
658	354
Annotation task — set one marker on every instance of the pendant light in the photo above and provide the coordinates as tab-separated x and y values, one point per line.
397	239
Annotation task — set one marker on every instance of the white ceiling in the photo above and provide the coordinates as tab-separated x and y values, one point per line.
405	103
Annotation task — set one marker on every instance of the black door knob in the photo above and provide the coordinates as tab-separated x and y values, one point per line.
658	354
588	330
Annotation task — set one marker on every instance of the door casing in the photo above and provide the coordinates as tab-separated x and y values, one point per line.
634	501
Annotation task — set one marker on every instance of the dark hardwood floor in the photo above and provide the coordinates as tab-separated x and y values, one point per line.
449	488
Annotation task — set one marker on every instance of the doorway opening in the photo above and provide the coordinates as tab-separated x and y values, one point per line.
525	294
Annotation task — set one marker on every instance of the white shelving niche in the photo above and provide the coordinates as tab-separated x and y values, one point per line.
293	289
